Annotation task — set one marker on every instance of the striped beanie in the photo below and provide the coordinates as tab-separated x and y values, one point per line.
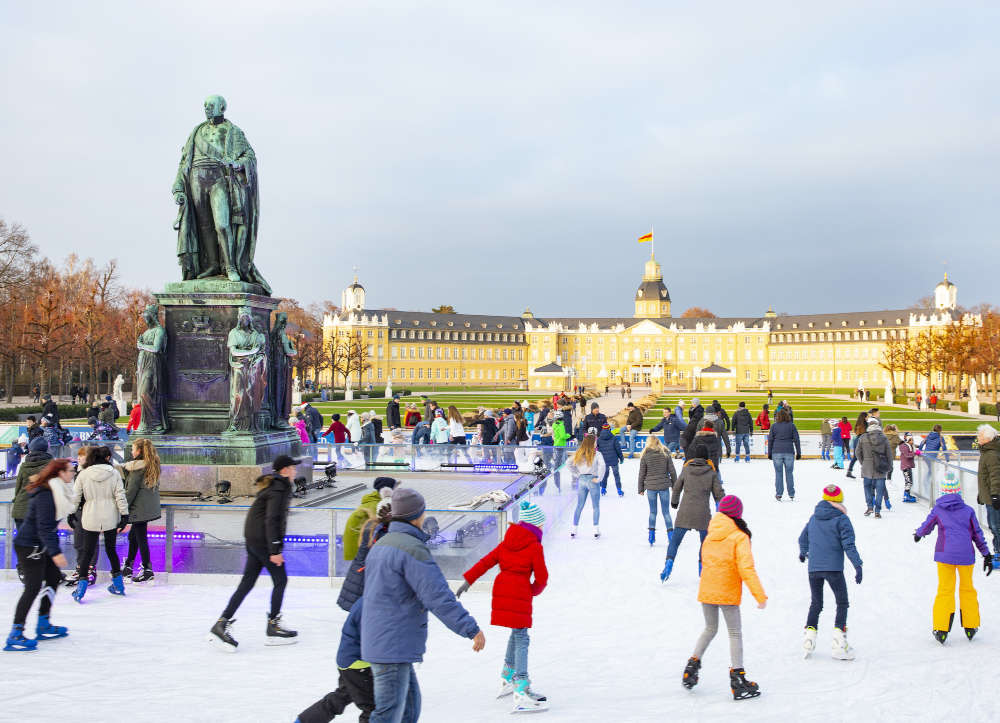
731	505
833	493
531	514
950	485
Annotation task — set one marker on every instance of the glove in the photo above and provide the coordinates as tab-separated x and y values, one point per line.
802	558
798	456
857	576
71	520
461	588
987	565
916	537
995	501
123	523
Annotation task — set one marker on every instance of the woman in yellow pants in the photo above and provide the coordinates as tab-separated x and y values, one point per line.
958	531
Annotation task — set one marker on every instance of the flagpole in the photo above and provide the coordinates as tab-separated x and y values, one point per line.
652	243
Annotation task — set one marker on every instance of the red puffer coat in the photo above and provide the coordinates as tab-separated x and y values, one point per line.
519	555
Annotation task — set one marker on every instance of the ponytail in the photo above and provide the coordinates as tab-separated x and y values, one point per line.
741	523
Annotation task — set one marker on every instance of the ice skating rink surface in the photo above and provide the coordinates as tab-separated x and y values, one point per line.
609	641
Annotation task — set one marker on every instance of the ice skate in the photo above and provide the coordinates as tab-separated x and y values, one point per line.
81	590
970	633
996	562
219	635
841	648
690	677
117	586
667	569
144	575
621	493
597	532
940	635
506	682
277	635
92	575
868	512
45	630
72	579
524	701
741	687
809	642
17	642
878	515
127	572
652	536
572	531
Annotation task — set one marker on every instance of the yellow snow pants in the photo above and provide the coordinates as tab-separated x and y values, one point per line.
944	603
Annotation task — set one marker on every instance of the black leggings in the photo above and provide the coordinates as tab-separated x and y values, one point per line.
90	548
257	560
355	686
36	569
138	542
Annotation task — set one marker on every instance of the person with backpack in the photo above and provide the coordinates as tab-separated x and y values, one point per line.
610	448
826	538
698	481
959	534
521	558
872	452
742	425
728	564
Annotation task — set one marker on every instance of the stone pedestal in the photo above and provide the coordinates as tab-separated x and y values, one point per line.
203	477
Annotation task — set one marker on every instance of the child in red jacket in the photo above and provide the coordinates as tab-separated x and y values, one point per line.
519	555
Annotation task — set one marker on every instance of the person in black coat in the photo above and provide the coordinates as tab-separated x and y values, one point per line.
392	417
51	408
611	450
722	413
595	419
264	532
742	430
696	411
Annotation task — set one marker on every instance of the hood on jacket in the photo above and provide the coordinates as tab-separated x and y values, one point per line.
134	464
373	496
950	502
605	434
102	473
721	527
826	510
993	444
519	537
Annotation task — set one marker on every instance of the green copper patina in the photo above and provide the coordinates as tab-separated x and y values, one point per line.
216	189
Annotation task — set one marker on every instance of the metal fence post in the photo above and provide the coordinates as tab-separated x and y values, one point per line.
168	544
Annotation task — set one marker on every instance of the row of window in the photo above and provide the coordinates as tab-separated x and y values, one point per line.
454	335
421	373
729	338
864	352
863	335
448	353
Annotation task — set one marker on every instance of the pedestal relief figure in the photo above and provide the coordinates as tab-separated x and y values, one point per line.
152	346
282	351
248	374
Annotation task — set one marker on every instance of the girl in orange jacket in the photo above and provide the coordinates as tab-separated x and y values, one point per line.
727	564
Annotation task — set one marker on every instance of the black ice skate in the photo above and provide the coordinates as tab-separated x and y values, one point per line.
741	687
970	633
220	637
941	636
143	575
690	677
277	635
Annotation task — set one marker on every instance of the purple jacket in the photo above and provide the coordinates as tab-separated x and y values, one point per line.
957	530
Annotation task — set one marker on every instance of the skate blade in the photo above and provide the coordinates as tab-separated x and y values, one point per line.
219	644
531	709
748	696
281	641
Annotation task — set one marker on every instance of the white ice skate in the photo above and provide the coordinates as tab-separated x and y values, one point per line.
597	532
841	648
506	682
809	642
526	700
572	531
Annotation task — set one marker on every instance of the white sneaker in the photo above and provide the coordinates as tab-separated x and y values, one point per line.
809	642
841	648
572	531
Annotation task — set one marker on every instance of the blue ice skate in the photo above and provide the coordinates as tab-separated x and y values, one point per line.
652	536
667	568
45	630
17	641
81	590
117	586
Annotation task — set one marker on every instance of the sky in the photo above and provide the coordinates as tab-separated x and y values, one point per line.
813	157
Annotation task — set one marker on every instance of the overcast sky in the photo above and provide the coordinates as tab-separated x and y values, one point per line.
810	156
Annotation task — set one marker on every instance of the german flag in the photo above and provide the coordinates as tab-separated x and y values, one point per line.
647	238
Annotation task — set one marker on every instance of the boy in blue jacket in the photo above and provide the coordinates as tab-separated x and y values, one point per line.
355	684
826	538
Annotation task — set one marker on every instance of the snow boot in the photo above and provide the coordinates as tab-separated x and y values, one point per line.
145	575
841	648
878	515
809	642
970	633
506	682
277	635
524	700
45	630
81	590
741	687
690	677
572	531
117	586
652	536
17	641
220	637
667	568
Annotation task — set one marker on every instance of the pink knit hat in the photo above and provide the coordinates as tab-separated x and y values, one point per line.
731	505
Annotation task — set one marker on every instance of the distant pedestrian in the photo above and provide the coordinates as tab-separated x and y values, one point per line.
783	448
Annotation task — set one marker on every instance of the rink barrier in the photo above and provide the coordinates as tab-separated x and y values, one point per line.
932	467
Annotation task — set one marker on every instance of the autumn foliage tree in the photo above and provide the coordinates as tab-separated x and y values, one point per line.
697	312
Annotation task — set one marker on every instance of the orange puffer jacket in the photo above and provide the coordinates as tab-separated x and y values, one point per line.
726	564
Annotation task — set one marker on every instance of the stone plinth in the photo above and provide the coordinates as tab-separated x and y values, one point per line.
203	477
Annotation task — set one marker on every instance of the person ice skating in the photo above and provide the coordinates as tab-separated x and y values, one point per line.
610	448
728	563
104	514
825	539
672	425
764	418
742	430
403	584
34	462
142	492
656	477
696	482
520	556
907	461
37	546
873	452
826	439
989	483
587	468
783	448
958	532
264	535
372	530
382	489
355	684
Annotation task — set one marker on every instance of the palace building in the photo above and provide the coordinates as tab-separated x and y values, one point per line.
649	348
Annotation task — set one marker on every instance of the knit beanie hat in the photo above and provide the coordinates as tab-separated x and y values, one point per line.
531	514
381	482
950	485
407	504
833	493
731	505
38	444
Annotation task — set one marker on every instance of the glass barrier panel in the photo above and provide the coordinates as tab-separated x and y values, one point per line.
6	525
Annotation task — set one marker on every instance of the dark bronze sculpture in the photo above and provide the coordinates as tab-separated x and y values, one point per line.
282	350
217	191
152	345
248	374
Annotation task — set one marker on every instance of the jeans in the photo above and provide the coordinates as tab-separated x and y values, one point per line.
839	586
397	694
743	439
517	653
257	560
632	435
854	454
675	541
783	464
664	497
993	520
558	458
587	486
673	447
618	478
874	493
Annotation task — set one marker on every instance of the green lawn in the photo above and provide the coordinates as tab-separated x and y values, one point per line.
810	409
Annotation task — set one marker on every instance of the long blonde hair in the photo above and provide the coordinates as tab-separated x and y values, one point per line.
586	451
148	454
454	415
653	444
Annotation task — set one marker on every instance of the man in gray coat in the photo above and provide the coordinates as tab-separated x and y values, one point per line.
873	454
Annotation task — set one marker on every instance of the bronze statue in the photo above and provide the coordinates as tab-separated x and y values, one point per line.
152	345
217	190
247	374
282	350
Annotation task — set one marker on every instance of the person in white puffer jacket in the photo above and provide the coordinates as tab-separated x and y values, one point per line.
105	512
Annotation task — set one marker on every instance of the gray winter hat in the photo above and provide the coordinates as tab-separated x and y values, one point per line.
407	504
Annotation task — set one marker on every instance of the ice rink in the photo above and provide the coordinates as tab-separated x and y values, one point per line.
609	640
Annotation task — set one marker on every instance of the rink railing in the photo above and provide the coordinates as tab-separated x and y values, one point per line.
932	467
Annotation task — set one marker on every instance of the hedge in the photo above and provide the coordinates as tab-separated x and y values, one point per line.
66	411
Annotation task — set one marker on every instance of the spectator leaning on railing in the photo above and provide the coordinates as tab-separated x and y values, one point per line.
989	483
